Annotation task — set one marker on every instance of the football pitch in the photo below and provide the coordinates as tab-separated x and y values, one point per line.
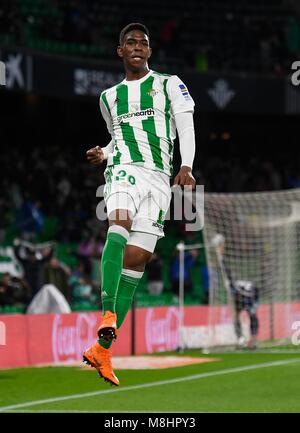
258	381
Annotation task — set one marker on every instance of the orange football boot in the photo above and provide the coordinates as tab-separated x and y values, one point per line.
100	358
108	328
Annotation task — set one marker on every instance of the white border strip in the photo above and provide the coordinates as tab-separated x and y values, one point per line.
153	384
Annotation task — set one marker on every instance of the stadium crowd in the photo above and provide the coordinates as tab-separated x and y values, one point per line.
250	36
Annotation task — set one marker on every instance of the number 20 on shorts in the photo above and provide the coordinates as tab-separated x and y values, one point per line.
121	175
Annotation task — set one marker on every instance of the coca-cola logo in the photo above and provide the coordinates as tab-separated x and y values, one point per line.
162	333
70	341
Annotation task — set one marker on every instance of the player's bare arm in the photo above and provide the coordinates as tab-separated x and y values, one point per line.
95	155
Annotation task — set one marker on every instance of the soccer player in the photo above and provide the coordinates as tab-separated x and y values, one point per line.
142	114
245	297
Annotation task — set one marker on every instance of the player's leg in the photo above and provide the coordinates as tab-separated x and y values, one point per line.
153	197
122	200
238	326
120	221
237	322
99	355
134	259
147	228
120	209
138	252
254	324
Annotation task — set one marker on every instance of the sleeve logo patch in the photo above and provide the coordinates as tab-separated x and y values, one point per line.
184	91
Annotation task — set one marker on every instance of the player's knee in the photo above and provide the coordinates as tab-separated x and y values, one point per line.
121	217
135	257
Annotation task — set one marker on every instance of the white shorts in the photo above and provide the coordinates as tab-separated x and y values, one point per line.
145	193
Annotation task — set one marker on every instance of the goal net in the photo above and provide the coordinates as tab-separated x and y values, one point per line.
250	239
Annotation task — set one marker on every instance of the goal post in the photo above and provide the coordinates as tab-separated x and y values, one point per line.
259	233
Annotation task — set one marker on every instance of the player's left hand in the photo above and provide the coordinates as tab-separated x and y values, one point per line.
185	177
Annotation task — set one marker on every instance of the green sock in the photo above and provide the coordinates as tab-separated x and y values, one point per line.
111	266
126	289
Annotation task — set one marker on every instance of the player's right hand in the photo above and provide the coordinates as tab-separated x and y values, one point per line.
95	155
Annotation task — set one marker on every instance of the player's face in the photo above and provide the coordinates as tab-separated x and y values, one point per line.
135	51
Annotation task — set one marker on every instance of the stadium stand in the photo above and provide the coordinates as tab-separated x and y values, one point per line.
250	36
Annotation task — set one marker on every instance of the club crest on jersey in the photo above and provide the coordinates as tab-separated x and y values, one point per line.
184	91
152	92
134	107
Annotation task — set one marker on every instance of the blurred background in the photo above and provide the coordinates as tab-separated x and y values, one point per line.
234	56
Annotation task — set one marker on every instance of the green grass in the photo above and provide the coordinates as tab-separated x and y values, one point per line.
273	388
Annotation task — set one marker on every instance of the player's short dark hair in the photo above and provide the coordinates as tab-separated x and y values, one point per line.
129	28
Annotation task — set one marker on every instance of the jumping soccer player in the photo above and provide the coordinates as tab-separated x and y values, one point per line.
142	114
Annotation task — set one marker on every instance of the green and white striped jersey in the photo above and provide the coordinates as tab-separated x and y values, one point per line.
140	118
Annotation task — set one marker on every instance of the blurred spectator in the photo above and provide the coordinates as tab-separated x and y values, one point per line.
57	274
82	286
6	293
154	268
33	259
30	219
90	247
63	189
13	291
189	261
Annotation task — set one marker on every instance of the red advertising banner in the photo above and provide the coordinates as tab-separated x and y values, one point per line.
14	331
61	338
157	330
39	339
